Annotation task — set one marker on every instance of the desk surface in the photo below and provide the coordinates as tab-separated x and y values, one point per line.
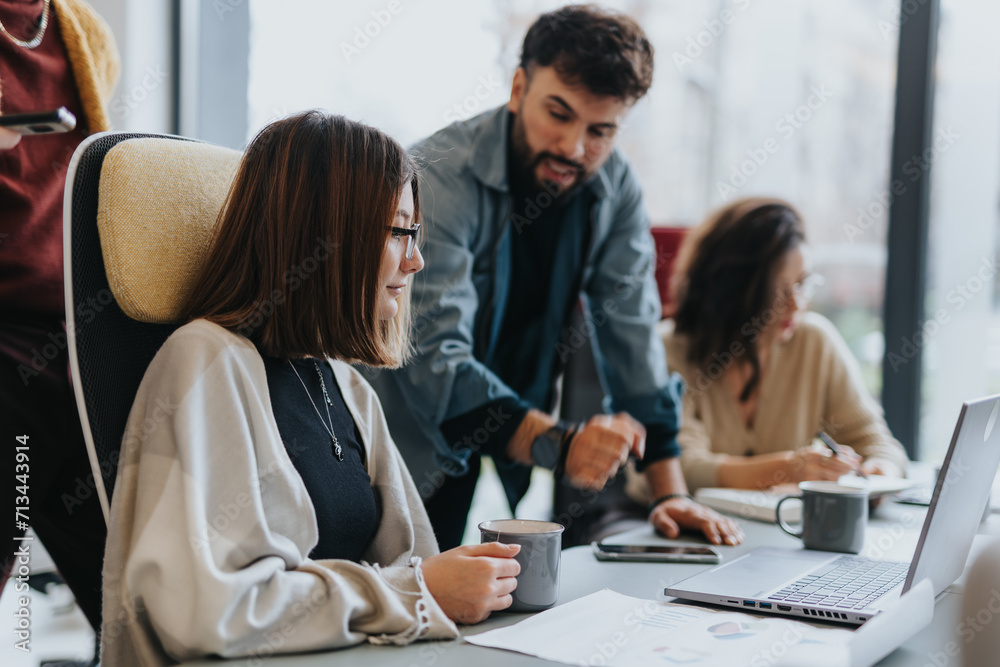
893	533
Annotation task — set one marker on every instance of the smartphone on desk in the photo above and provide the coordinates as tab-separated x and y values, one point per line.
650	553
40	122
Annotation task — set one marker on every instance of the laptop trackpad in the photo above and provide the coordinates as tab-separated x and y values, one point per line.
757	573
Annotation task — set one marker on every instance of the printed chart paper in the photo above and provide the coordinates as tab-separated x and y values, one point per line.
607	628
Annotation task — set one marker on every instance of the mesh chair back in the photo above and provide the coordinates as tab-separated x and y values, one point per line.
109	352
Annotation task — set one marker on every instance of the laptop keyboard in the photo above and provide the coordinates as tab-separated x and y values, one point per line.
850	582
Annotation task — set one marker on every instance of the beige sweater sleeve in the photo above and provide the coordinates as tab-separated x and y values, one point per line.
850	415
698	461
211	526
814	383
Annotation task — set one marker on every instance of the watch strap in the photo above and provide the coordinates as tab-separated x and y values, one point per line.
547	448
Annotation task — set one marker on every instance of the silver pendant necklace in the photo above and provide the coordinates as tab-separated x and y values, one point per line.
337	449
37	39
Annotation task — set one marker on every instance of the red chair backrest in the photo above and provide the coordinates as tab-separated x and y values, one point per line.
668	242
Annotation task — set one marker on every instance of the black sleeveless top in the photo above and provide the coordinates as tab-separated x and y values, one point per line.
340	490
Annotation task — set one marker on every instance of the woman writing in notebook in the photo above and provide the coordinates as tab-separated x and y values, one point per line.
763	375
267	509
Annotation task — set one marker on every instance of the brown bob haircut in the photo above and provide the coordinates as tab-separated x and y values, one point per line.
724	278
295	255
605	51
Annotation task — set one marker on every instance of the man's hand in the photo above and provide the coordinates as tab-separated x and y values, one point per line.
470	581
671	515
601	447
8	138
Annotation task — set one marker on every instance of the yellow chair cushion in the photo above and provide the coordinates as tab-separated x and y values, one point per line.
158	200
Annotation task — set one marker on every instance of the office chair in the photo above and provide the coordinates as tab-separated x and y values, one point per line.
582	396
668	242
138	214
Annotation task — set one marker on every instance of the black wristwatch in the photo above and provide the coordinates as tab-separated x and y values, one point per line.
548	446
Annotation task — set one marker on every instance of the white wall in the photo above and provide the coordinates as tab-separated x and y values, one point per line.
143	98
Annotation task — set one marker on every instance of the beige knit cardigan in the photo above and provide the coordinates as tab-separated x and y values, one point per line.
211	525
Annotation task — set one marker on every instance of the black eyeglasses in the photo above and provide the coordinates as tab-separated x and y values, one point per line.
411	237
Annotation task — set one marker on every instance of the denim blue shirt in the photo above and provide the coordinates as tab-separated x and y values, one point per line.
459	300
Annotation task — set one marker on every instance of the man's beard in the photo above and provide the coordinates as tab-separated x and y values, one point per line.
524	169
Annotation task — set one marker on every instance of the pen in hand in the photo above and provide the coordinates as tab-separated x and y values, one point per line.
835	448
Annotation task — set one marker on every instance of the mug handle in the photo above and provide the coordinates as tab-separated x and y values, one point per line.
784	526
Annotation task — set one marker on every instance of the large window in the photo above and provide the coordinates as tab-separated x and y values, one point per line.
406	67
791	98
784	98
960	336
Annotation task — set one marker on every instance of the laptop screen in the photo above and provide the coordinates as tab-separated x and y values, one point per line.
960	496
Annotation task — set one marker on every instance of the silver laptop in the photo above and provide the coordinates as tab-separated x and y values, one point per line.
851	589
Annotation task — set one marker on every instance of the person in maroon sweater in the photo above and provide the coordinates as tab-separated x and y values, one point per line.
8	139
53	53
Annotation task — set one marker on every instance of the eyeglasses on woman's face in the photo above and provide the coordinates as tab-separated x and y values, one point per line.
803	290
411	237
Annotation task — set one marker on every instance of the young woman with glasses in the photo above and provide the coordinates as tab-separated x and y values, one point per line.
764	376
261	505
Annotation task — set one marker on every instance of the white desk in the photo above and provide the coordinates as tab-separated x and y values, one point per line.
894	529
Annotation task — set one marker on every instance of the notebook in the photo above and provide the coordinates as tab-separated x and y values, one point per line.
760	505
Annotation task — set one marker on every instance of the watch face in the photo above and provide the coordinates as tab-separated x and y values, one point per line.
545	448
